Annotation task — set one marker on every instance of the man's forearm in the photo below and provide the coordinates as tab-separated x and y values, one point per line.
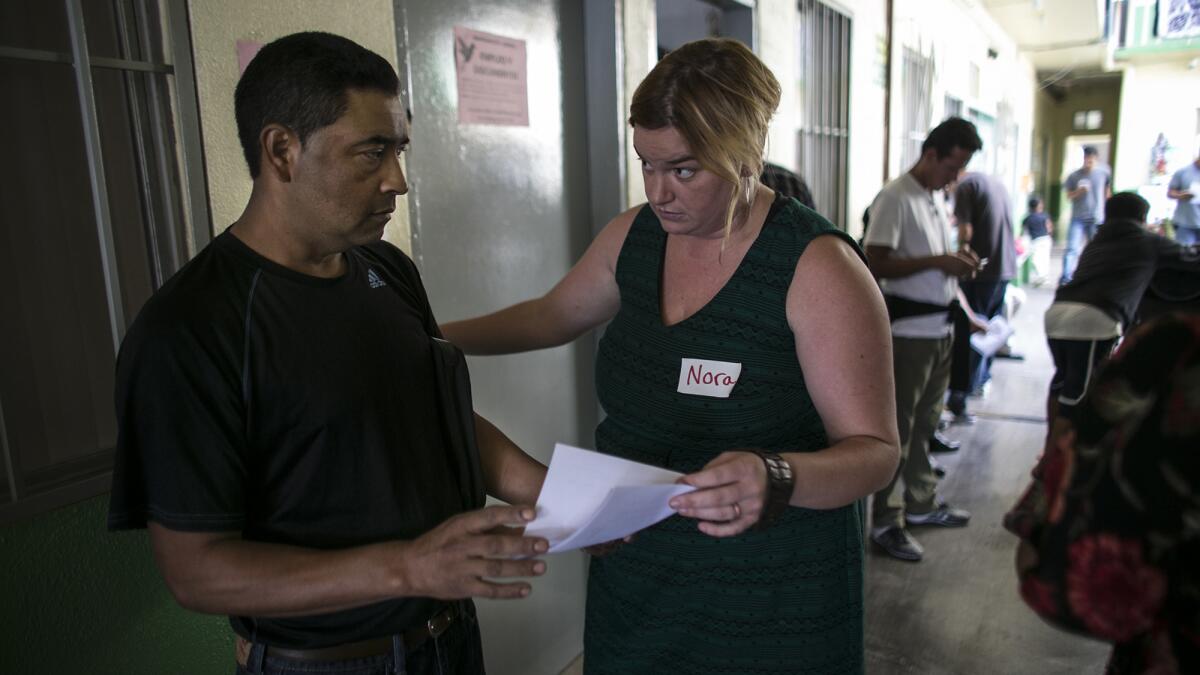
509	473
228	575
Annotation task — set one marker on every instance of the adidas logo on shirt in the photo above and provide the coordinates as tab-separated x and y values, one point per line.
374	279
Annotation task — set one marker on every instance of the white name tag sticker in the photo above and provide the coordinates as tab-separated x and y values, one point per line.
708	378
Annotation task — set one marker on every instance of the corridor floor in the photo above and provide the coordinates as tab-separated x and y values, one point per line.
957	611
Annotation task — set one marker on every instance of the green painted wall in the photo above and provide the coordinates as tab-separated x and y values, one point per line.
75	598
1053	120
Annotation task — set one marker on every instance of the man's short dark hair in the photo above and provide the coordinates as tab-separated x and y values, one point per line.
300	81
1090	151
955	132
1034	201
1126	206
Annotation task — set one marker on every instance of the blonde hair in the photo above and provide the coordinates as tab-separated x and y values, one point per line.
720	97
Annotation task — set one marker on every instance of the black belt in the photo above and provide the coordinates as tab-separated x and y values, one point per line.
903	308
413	638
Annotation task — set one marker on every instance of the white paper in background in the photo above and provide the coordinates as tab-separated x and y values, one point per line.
997	334
590	498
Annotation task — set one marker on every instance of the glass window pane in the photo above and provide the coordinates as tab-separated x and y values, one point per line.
104	19
34	24
57	357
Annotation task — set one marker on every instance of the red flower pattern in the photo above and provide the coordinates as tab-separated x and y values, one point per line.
1111	589
1057	469
1092	570
1039	595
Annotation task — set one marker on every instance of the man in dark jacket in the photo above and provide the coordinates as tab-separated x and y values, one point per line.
1091	312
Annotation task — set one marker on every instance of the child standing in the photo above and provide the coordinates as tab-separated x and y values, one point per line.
1038	227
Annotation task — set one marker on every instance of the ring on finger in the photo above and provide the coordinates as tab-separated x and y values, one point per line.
737	510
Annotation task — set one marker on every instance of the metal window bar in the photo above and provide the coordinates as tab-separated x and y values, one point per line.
917	74
91	141
186	111
8	459
23	54
822	137
136	101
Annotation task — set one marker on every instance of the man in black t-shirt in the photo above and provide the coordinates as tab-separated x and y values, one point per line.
984	217
787	183
280	434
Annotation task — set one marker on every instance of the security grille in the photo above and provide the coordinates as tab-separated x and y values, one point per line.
823	42
917	82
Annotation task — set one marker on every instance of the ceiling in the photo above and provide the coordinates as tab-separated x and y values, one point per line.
1055	35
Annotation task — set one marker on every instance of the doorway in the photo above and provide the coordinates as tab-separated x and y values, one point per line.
499	213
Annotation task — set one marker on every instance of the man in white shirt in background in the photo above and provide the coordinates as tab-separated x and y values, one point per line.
908	246
1185	189
1087	188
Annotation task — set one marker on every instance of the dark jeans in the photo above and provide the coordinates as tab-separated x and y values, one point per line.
969	370
457	651
1075	361
1079	233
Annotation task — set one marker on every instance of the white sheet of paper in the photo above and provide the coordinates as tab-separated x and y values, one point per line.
997	334
590	498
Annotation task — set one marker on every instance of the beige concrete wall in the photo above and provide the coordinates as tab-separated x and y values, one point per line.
775	24
1054	121
1162	98
1007	78
639	32
776	27
868	68
920	24
216	26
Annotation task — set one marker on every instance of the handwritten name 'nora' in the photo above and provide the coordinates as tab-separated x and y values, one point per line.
697	374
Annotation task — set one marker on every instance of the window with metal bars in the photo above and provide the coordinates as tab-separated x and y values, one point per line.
822	139
917	82
953	107
103	200
681	21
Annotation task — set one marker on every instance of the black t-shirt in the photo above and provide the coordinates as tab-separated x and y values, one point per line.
1035	225
291	409
982	201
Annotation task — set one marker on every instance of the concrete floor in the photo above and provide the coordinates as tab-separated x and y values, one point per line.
957	611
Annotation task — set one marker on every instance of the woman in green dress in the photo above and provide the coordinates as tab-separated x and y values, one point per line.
749	349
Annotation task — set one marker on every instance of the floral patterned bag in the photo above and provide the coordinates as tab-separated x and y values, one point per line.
1110	526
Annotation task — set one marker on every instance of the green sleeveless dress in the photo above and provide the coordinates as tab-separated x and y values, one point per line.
788	599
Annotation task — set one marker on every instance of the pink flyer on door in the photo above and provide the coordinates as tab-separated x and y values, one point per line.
492	79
